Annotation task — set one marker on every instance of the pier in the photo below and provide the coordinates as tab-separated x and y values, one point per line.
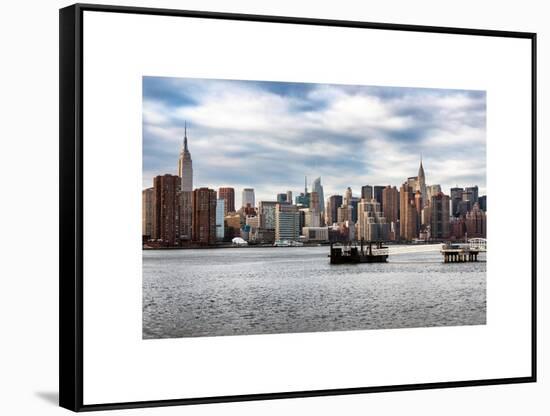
466	252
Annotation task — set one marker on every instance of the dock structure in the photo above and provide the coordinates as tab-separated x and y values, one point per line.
463	253
362	252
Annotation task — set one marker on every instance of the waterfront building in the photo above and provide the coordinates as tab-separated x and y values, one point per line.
366	192
476	223
266	214
185	166
319	234
248	199
232	222
334	202
458	228
390	202
228	195
147	208
220	223
318	189
253	222
204	216
440	216
166	189
287	222
371	223
408	213
186	215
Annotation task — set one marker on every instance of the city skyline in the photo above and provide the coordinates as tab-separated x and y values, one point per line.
269	135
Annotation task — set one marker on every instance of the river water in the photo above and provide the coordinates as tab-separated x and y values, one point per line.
238	291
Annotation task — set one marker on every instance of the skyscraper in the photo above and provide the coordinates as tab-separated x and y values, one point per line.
408	214
318	188
220	215
473	191
147	207
347	197
334	202
390	201
440	216
421	184
204	216
166	189
266	214
228	195
377	195
483	202
366	192
287	222
281	198
371	224
476	223
456	197
185	165
289	197
248	198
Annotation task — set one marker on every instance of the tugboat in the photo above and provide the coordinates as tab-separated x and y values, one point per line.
351	253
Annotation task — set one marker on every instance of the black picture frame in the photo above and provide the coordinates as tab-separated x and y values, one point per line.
71	206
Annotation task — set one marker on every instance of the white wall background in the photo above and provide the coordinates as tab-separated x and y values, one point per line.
28	206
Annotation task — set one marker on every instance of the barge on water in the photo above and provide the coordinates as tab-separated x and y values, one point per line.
362	252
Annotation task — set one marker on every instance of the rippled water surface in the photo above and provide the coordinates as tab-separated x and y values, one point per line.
237	291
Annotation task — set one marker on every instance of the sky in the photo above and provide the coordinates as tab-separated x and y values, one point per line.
270	135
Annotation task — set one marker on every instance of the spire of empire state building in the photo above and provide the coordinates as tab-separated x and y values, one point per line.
185	165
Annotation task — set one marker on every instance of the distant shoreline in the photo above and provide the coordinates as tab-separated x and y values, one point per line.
306	245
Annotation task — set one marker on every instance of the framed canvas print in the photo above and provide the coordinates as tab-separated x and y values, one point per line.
260	207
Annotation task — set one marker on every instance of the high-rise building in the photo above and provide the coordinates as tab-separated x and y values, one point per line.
147	208
418	203
347	197
421	184
483	202
289	197
473	192
439	224
185	166
390	202
220	216
204	216
166	190
366	192
287	222
476	224
228	195
312	217
408	214
318	189
186	215
431	190
371	224
334	202
345	213
354	204
232	222
377	192
456	197
314	202
266	214
281	198
248	198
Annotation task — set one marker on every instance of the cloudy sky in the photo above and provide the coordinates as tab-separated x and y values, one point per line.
269	135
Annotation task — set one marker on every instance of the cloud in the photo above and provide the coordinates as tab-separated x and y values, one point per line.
268	135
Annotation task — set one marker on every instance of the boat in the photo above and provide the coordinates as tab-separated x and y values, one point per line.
362	252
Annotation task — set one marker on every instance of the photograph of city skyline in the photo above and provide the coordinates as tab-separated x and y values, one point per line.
283	207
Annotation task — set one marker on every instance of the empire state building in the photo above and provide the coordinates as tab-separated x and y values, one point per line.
185	166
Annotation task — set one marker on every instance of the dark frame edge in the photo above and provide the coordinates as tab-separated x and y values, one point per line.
70	209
